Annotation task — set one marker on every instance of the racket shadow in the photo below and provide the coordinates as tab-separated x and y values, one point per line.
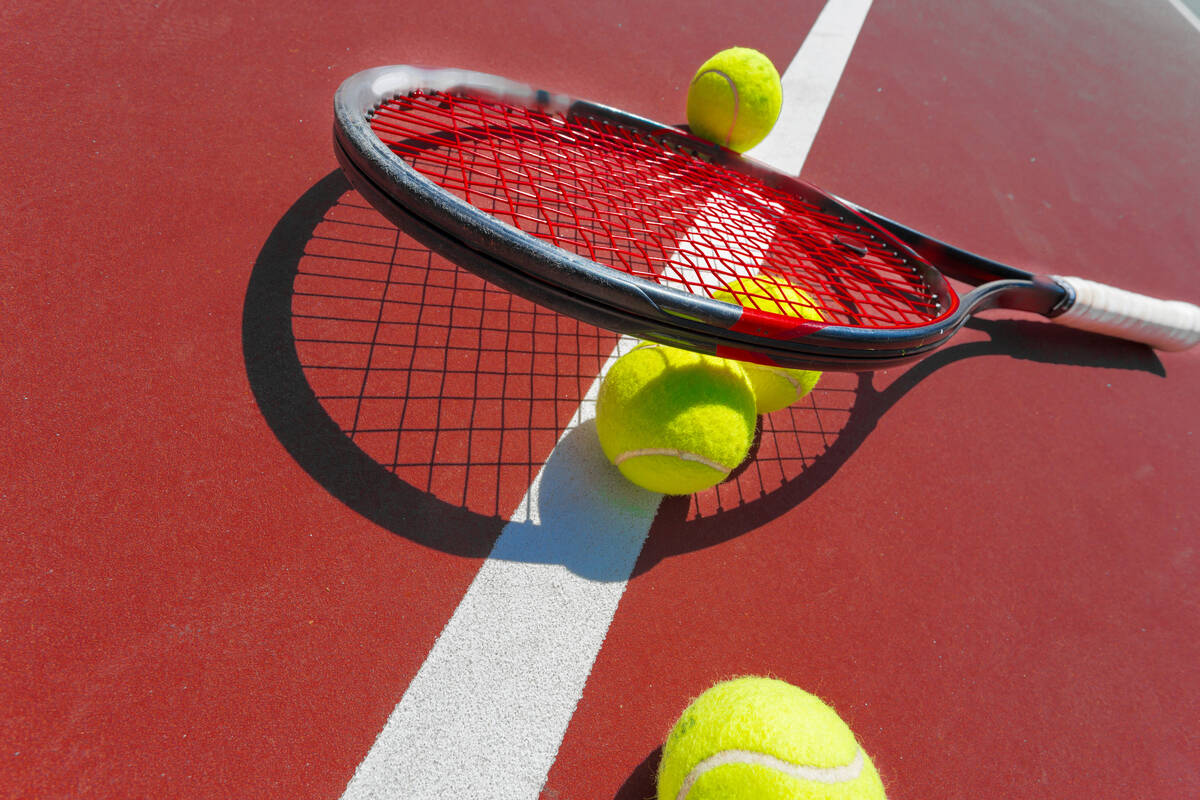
642	781
428	400
302	423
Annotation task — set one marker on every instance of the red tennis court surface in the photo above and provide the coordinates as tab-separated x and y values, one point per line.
261	445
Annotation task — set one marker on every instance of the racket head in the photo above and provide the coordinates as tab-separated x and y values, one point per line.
635	226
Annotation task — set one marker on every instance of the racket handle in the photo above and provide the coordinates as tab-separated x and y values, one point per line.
1162	324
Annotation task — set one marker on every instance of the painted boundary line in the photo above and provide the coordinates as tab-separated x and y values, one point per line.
809	83
1187	13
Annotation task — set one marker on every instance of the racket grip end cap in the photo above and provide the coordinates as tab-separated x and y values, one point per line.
1162	324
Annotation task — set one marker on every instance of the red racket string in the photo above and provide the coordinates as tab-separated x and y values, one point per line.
622	198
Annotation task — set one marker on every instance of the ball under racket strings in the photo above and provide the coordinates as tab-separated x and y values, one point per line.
642	229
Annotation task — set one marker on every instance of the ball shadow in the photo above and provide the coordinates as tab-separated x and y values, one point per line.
640	785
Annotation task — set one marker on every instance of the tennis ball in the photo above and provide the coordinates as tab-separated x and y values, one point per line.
674	421
762	739
734	98
774	387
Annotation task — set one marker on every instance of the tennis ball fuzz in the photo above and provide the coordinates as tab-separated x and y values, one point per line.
763	739
774	387
734	98
674	421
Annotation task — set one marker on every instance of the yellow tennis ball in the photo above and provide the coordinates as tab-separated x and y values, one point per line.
762	739
774	387
734	98
674	421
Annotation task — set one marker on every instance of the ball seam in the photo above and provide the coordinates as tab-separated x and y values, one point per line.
682	454
782	373
737	103
830	775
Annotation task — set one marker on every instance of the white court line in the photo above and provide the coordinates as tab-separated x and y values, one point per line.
809	83
1187	13
485	714
487	711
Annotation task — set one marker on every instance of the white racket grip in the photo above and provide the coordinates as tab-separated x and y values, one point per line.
1162	324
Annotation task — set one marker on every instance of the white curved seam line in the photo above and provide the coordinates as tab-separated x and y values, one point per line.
737	102
662	451
843	774
683	454
787	376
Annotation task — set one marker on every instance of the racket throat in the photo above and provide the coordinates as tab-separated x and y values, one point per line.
1039	295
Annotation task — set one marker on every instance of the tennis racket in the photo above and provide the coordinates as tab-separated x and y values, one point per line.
643	229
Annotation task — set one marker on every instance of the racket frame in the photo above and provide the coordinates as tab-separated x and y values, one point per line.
626	303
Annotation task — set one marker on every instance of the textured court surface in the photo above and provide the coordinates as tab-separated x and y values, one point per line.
293	508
